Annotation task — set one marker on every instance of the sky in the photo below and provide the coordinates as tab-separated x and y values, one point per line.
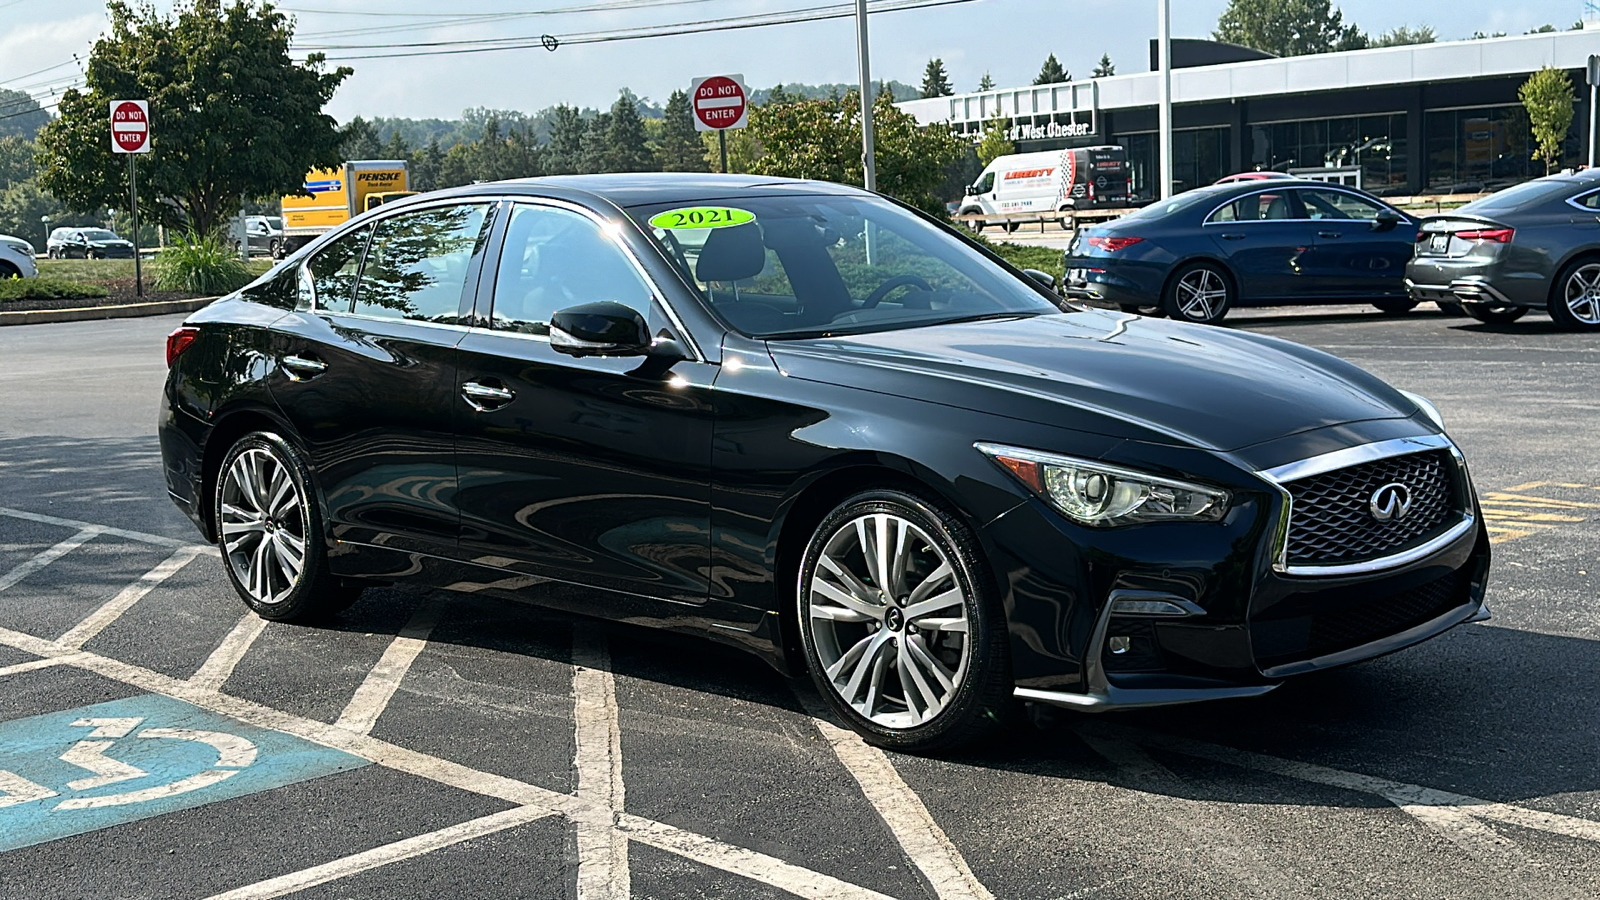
1009	39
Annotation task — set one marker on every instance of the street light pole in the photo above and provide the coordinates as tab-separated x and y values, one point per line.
1164	59
868	164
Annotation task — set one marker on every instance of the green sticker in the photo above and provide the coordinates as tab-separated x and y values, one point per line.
701	217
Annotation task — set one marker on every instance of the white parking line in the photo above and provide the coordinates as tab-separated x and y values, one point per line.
48	556
386	854
372	698
219	666
602	850
37	664
113	609
140	536
924	842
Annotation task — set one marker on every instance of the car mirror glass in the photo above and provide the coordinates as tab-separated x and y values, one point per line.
1385	220
606	328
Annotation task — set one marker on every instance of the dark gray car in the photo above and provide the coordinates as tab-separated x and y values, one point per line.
1533	246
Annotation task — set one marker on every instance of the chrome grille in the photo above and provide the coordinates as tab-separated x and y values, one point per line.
1331	520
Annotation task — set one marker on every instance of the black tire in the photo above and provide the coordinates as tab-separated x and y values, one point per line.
1450	308
1010	226
1199	292
314	592
1494	314
1575	296
1395	307
275	249
974	677
7	270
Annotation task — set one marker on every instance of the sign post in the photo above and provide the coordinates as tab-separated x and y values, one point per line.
1594	81
720	104
130	134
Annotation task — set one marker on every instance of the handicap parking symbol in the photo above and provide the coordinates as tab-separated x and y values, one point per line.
94	767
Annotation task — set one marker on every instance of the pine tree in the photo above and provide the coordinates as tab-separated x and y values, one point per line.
986	83
627	146
679	149
564	154
1052	72
935	83
593	158
778	96
1107	68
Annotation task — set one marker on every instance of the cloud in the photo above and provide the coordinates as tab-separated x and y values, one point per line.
35	45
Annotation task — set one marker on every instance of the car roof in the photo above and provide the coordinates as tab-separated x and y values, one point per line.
642	188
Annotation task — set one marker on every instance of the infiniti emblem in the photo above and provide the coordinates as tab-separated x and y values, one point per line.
1391	502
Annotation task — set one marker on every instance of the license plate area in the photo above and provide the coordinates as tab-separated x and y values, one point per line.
1439	243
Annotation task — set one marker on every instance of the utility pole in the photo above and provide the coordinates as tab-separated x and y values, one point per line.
868	164
1164	59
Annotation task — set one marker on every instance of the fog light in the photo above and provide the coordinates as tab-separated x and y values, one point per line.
1119	644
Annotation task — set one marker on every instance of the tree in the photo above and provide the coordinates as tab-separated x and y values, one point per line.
564	153
233	115
425	164
995	144
1402	36
935	83
20	115
1479	36
627	147
1106	68
595	154
1287	27
1052	72
1548	98
678	149
358	139
986	83
16	161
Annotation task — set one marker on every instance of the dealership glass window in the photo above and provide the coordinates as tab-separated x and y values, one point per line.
1486	148
1376	144
1199	157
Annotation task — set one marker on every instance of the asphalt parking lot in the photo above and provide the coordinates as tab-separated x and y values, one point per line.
157	742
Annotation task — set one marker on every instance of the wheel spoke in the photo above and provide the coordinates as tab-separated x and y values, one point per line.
918	685
945	624
258	571
863	667
945	600
849	657
246	488
901	557
848	578
846	599
935	578
920	654
292	559
837	613
869	706
283	494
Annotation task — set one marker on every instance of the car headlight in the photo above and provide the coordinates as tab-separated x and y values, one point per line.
1100	495
1427	407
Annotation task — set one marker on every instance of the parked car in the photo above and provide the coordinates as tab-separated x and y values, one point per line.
264	234
1532	246
87	243
16	258
1253	243
697	402
1251	176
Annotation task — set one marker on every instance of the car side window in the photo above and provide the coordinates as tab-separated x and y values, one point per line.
1325	204
1589	201
986	183
555	258
416	266
1265	207
334	269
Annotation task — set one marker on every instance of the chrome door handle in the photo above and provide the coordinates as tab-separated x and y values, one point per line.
303	369
1330	235
483	398
1233	237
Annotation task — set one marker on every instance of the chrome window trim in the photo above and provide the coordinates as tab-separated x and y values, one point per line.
1405	219
1573	202
1279	476
1283	185
608	227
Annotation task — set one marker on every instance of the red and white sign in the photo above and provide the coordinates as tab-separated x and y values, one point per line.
130	126
719	102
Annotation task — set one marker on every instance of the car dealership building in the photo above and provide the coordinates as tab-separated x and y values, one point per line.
1421	119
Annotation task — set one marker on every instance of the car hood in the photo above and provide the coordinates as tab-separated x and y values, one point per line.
111	243
1108	373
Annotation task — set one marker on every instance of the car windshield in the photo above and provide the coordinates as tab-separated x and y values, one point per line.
98	234
1525	194
274	222
1168	207
807	266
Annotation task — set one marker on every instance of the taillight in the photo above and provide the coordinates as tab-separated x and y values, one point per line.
1113	244
1495	235
179	341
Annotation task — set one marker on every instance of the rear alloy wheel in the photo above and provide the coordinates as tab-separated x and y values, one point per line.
1199	293
1495	313
270	532
1576	304
902	634
1395	307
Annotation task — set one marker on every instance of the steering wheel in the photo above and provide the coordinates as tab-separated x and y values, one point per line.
897	281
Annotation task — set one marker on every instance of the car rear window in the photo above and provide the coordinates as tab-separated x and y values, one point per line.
1529	193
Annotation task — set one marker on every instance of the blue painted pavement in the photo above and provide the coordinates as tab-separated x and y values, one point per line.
94	767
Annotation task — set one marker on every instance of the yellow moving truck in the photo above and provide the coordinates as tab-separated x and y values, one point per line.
333	196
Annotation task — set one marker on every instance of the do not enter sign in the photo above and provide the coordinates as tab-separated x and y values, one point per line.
719	102
130	126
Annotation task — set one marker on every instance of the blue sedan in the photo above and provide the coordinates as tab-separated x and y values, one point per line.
1201	253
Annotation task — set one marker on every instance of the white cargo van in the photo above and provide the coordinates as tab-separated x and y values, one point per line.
1050	181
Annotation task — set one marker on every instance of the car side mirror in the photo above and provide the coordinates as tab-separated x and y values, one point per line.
606	328
1044	278
1385	220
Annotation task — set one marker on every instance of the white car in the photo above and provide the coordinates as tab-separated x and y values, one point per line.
16	258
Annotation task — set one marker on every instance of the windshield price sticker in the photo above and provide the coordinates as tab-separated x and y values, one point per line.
701	217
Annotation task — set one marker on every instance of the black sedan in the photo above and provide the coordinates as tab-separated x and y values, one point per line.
1254	243
812	423
1533	246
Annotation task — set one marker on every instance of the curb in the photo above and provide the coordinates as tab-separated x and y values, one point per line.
89	313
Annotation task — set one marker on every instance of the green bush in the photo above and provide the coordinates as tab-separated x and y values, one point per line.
200	264
46	287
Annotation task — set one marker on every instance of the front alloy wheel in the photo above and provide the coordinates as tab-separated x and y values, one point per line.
271	533
901	638
1577	305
